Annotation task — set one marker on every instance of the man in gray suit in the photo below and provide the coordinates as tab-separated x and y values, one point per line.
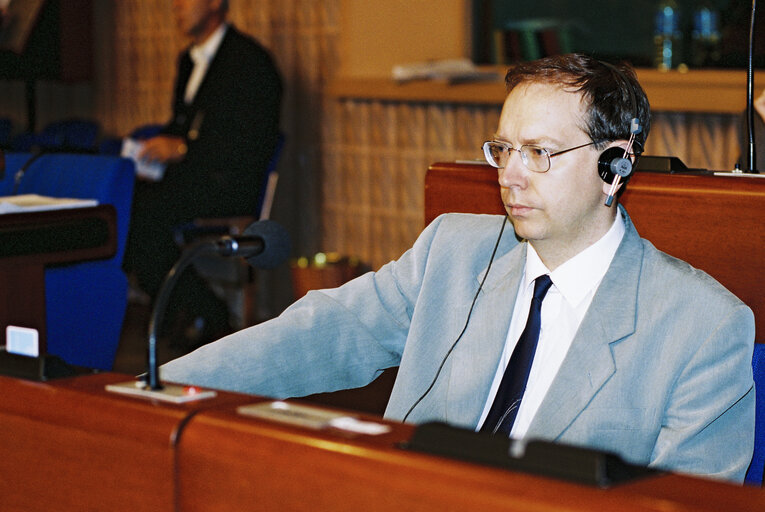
638	352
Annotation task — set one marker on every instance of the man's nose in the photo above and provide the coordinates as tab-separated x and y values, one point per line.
514	173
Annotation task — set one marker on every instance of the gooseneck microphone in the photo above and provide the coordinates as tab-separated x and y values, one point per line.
19	176
751	155
264	244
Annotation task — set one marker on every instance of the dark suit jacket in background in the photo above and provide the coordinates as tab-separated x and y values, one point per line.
231	129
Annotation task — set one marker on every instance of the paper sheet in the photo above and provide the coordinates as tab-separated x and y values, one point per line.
37	203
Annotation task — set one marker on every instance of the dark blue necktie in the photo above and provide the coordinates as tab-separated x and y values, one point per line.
505	407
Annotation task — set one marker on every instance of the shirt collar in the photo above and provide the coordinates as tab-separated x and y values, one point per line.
582	274
206	51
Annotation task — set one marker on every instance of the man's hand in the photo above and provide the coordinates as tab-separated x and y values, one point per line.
164	149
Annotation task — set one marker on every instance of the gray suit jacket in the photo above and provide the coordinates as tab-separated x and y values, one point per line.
659	370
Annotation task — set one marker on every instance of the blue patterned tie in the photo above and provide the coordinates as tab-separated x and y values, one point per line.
508	400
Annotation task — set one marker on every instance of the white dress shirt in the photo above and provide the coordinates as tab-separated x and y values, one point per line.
201	55
563	308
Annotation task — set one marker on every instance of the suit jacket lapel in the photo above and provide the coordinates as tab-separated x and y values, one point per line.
185	67
200	99
476	356
589	362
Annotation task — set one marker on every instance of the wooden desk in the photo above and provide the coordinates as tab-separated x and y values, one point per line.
714	223
230	462
31	241
68	445
71	445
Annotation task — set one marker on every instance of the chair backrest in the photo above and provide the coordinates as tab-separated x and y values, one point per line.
755	474
270	179
146	131
70	135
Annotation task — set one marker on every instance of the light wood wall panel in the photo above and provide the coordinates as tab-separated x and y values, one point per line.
145	48
353	169
376	154
706	141
375	157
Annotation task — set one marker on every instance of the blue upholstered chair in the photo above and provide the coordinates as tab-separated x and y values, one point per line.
73	135
146	131
233	278
85	302
65	136
755	473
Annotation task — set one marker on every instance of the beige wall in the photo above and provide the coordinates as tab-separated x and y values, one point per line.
374	36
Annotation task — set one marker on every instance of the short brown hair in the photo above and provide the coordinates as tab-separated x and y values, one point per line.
613	94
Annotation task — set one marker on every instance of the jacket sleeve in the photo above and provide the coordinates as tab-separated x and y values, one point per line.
330	339
708	425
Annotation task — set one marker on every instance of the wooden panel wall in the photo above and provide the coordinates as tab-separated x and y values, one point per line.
352	171
375	158
376	154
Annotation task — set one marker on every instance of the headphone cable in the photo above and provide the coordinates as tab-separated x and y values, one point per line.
505	220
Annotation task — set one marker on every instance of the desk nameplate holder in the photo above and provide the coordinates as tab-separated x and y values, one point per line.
173	393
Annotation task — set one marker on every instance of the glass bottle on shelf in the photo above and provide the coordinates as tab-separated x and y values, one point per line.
667	37
705	36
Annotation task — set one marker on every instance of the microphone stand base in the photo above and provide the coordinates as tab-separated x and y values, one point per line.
173	393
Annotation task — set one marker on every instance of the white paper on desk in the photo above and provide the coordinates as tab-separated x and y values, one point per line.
153	171
312	417
35	203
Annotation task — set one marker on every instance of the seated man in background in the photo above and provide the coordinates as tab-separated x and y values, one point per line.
627	349
216	147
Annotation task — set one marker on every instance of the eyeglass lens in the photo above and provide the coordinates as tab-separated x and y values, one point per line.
534	158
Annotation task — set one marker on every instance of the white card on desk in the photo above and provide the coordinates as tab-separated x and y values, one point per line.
311	417
22	341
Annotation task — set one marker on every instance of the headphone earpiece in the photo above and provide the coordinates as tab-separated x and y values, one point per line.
612	162
614	166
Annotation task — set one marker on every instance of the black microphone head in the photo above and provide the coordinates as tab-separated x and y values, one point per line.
276	243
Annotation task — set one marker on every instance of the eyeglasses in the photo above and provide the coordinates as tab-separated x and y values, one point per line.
535	158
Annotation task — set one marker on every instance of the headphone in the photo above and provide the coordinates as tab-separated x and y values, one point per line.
614	165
